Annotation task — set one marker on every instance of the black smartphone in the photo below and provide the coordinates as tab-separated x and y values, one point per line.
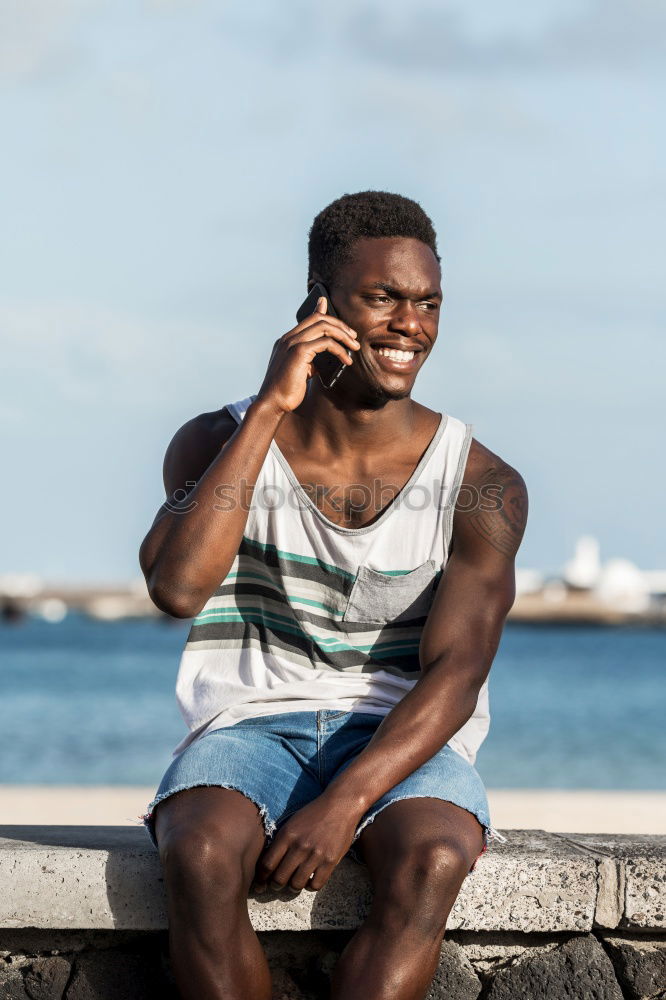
328	366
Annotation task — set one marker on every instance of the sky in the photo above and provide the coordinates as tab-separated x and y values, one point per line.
163	161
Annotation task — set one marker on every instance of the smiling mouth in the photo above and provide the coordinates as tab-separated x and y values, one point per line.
396	360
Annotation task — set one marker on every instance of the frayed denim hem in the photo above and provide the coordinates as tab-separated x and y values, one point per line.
147	818
489	832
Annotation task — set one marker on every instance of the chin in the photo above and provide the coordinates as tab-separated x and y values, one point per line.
376	396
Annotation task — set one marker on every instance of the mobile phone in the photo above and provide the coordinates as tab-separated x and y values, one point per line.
328	366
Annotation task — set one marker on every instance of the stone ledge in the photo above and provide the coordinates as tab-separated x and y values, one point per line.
135	965
79	878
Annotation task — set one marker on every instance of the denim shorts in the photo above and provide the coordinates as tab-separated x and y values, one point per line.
283	761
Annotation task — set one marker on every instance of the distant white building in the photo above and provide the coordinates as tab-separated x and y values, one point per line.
623	585
617	582
528	581
20	584
656	581
584	570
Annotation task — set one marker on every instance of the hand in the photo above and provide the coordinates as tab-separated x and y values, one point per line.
312	841
290	365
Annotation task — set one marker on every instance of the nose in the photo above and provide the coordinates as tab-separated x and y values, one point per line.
405	318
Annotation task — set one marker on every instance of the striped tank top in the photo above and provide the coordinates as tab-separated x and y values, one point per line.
313	615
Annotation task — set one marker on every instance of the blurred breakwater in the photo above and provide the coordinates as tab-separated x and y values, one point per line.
551	603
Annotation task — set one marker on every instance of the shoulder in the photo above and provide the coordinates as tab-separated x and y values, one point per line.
205	427
484	464
194	446
203	433
492	503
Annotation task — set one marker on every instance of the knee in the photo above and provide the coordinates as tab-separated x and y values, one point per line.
418	886
200	859
431	867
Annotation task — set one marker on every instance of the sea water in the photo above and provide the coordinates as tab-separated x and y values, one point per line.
89	702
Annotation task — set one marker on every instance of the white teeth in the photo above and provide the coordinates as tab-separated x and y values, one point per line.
396	355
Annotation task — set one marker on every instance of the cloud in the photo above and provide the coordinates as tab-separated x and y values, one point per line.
613	34
36	36
39	38
485	38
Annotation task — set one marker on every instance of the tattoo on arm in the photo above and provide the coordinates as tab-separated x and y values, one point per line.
502	520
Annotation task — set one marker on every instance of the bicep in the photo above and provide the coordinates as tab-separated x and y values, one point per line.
179	465
496	521
469	607
174	476
477	588
189	453
191	450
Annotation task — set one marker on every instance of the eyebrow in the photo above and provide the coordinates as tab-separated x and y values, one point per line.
390	290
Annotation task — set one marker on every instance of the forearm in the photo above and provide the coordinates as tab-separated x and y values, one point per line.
192	546
422	722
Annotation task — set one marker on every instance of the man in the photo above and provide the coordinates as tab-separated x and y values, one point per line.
335	676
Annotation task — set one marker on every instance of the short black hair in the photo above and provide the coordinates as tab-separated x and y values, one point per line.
364	214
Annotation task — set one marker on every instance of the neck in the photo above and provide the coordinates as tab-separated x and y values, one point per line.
352	426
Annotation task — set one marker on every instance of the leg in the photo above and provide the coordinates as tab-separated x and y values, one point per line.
418	852
209	840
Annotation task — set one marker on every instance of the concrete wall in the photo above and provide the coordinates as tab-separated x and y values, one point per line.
82	917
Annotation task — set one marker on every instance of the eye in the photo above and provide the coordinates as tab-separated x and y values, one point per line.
430	305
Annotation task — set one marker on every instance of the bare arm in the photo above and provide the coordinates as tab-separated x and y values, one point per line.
214	464
210	470
459	640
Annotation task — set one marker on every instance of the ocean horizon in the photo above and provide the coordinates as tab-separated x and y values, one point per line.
85	702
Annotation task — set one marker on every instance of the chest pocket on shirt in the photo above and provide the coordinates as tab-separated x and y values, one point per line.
381	598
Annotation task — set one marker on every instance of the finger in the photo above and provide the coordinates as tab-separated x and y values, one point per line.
322	330
300	879
268	862
317	317
324	325
326	342
320	877
312	347
322	304
283	874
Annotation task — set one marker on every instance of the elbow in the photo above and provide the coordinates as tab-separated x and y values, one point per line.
171	604
174	605
171	600
177	588
463	684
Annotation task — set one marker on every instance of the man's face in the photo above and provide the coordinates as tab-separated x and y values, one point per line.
390	293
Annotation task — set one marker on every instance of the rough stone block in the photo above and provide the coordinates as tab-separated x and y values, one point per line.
640	875
579	970
489	951
455	978
11	981
536	882
640	966
302	964
284	987
110	878
47	977
113	975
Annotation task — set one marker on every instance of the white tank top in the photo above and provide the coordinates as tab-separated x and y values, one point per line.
314	615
